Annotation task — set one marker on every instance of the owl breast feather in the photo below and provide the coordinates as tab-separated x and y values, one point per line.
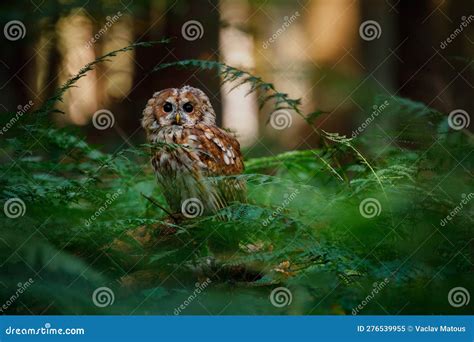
186	168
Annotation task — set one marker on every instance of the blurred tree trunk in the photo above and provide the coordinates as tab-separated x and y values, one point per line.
463	46
16	59
166	22
375	52
53	58
419	69
419	76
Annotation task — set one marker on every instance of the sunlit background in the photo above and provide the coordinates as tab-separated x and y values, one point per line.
391	74
310	49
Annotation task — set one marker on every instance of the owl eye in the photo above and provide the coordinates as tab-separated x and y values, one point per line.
188	107
167	107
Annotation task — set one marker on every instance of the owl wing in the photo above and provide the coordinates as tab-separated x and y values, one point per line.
217	149
215	152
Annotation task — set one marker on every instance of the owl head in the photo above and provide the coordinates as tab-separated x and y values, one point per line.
186	106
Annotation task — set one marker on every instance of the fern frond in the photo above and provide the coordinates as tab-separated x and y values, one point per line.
266	91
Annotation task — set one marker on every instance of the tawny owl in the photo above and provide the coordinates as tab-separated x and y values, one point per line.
193	158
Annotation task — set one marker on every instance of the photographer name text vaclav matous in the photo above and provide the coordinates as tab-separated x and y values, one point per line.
441	328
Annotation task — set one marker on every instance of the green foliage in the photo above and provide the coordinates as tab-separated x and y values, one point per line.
48	106
96	219
266	91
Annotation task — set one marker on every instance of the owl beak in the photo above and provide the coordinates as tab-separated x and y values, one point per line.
177	118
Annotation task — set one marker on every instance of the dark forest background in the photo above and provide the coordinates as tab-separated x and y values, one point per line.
361	204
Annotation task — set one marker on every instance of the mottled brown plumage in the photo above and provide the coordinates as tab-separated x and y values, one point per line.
193	152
